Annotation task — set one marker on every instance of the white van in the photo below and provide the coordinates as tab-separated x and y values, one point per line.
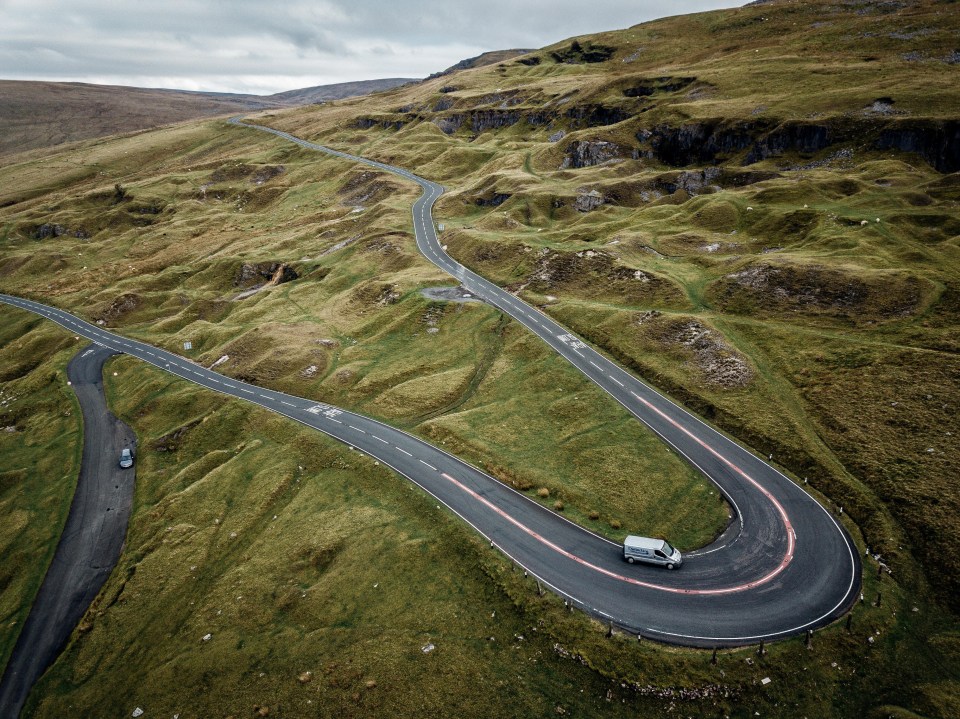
652	551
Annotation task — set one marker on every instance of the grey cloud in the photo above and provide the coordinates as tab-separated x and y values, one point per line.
247	45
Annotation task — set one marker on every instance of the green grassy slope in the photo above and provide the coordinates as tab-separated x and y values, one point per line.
771	234
776	246
40	445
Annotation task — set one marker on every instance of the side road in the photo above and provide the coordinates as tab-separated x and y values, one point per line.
92	538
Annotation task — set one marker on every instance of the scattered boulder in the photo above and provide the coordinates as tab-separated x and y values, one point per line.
717	360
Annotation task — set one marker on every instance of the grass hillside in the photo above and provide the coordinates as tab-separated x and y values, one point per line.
45	114
754	209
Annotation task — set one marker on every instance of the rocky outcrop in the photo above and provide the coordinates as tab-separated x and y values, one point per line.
449	124
588	200
645	88
715	141
122	305
596	115
274	272
52	229
577	53
697	143
494	200
789	289
483	120
587	153
386	123
791	136
937	142
479	120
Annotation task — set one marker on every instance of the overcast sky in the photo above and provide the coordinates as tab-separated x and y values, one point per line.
266	46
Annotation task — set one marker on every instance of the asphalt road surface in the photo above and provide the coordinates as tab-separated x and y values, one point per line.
91	541
783	566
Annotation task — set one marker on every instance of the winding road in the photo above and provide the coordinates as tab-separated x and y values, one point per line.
92	538
783	566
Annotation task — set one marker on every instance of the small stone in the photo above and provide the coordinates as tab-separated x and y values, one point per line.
207	637
371	683
305	677
427	648
137	712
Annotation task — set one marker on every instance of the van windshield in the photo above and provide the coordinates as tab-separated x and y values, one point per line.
668	550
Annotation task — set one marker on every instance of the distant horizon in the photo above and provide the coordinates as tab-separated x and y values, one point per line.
210	92
250	49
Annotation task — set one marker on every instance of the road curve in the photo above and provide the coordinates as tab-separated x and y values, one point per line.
91	540
783	566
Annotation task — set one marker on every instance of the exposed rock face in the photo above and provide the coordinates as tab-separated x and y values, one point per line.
587	153
712	141
483	120
449	124
596	115
274	272
480	120
790	136
694	181
697	143
494	200
587	201
387	123
645	88
818	290
720	363
120	306
49	229
577	53
936	142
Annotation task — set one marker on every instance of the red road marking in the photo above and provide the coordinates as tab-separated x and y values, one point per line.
787	558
